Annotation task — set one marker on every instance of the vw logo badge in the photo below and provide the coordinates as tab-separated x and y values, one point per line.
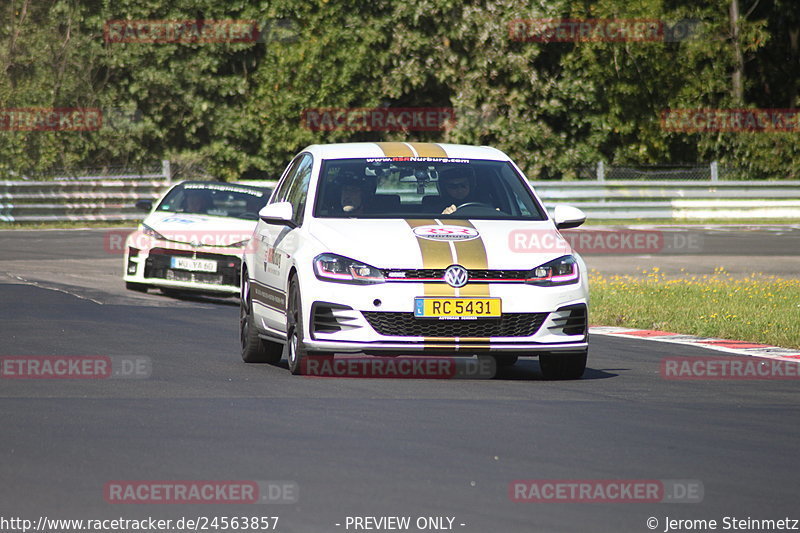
456	276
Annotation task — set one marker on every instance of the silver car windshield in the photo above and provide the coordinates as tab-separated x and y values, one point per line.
215	199
445	188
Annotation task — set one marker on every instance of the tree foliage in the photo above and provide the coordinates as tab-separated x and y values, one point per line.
234	109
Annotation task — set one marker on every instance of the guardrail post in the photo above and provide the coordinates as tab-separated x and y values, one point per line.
166	171
601	171
714	171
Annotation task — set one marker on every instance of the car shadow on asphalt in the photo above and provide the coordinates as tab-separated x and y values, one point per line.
199	297
523	370
529	370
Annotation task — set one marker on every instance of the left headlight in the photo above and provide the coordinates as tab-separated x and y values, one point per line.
150	232
332	267
561	271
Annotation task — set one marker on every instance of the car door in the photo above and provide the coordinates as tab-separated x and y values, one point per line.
276	243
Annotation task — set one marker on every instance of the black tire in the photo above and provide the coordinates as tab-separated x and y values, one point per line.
296	353
254	348
138	287
505	360
563	366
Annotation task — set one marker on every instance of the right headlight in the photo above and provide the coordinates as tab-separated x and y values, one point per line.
561	271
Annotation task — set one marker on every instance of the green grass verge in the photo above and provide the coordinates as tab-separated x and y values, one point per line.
762	309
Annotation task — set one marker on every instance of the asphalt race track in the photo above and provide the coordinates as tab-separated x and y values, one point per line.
370	447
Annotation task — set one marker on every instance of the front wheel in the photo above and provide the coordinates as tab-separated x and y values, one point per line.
301	360
254	349
563	366
296	350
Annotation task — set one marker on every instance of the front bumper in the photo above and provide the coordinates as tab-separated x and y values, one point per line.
380	320
433	347
154	267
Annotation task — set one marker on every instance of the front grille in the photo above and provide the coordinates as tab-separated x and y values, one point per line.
191	253
407	325
518	275
158	264
195	277
475	276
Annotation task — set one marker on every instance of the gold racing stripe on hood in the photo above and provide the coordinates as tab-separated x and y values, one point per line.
396	149
428	150
471	255
435	254
438	254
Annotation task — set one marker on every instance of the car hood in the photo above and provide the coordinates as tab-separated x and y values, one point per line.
474	244
200	229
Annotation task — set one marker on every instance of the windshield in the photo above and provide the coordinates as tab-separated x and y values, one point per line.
216	199
402	187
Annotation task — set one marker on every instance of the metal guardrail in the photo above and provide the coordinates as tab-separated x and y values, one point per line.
676	200
113	199
54	201
108	197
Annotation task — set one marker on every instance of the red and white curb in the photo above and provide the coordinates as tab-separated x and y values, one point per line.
751	349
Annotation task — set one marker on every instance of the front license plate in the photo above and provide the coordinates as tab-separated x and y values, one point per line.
457	307
197	265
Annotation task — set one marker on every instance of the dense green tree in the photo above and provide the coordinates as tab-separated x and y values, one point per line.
235	109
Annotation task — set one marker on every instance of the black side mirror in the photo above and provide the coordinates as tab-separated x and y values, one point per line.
144	205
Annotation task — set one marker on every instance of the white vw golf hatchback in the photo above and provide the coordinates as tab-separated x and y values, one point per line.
412	249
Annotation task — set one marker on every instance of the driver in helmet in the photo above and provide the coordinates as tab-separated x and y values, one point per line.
197	201
456	187
354	194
